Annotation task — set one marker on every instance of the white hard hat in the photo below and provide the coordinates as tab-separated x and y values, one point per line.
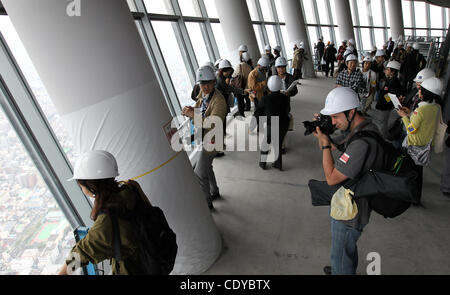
224	64
216	64
424	74
243	48
380	53
246	56
274	83
401	43
367	58
393	64
264	62
351	41
434	85
95	165
277	48
281	62
416	46
209	64
268	48
339	100
205	74
351	57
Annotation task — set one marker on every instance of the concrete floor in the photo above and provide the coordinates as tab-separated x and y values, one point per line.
269	226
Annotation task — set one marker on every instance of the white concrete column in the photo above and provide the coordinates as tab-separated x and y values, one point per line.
296	28
97	72
238	29
396	18
344	20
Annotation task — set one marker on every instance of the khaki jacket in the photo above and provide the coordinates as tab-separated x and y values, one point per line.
243	69
217	107
97	245
297	61
254	85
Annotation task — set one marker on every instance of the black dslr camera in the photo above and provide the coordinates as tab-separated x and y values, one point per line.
323	122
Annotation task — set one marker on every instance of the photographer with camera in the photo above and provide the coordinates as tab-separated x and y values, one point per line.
356	157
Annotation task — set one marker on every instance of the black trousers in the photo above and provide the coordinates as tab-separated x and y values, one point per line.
329	67
243	104
298	74
283	130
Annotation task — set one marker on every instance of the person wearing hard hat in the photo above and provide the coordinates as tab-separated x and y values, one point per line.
196	90
297	61
243	48
352	77
373	52
329	57
414	63
268	54
320	49
257	80
286	81
384	104
358	157
421	123
275	104
371	84
399	53
95	172
411	100
211	103
241	74
276	55
351	45
389	47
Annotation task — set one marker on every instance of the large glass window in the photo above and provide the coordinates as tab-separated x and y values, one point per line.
39	91
436	17
35	237
288	47
280	12
312	31
169	47
362	12
309	12
252	10
379	38
366	43
420	14
376	12
270	29
198	43
220	40
353	11
158	6
189	7
211	8
406	8
323	12
265	8
326	34
257	29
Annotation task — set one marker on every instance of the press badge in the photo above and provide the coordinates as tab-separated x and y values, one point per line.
411	129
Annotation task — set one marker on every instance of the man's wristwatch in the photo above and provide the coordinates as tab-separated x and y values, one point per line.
324	147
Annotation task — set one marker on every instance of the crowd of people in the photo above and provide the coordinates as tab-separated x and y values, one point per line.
364	101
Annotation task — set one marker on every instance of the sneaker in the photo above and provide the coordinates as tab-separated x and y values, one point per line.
262	166
277	166
327	270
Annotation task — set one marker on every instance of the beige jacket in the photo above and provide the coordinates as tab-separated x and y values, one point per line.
243	69
297	62
256	86
217	107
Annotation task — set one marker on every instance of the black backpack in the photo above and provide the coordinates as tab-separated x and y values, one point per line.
390	190
157	241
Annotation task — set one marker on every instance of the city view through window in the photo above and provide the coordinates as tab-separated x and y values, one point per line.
35	237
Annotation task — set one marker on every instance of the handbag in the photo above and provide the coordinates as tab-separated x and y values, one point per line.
439	135
343	207
420	154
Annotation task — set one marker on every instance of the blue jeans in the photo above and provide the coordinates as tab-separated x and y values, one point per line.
344	252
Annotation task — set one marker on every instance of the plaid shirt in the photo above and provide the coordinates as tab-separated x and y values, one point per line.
355	81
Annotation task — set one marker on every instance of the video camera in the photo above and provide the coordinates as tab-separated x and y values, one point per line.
323	122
